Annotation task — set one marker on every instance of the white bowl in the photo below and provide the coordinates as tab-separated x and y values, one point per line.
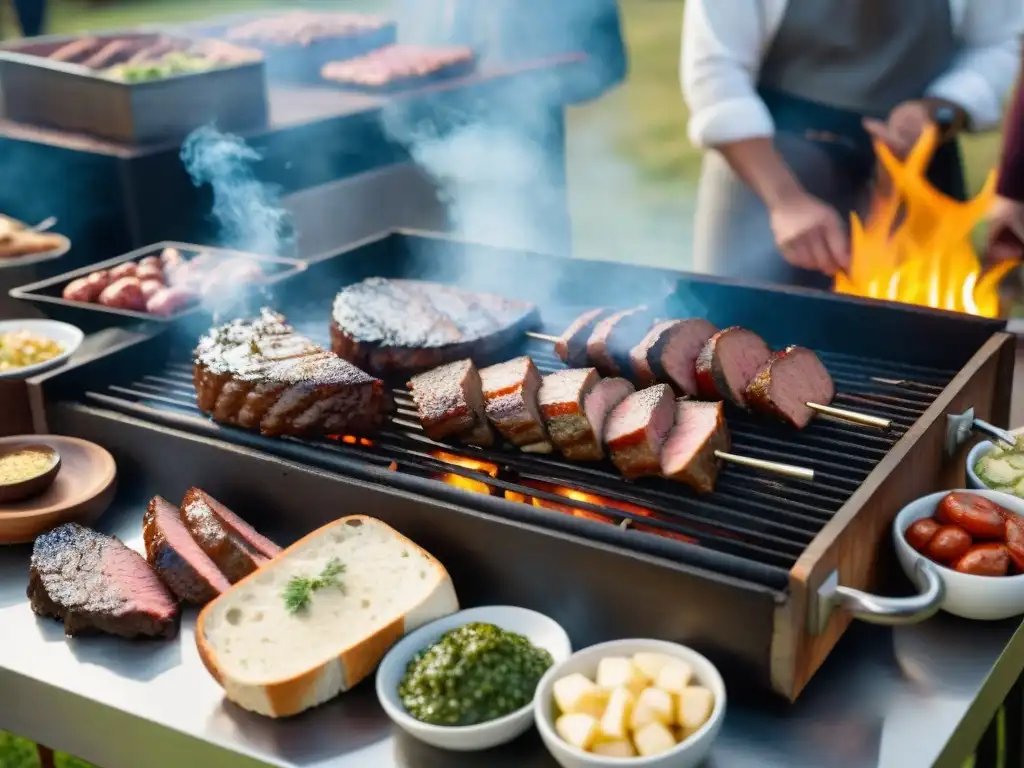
970	597
70	337
688	753
539	629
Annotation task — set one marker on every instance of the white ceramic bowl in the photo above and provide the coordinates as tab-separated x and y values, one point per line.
979	450
539	629
971	597
688	753
67	335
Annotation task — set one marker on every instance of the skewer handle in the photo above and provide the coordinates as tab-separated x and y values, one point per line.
776	467
542	337
853	417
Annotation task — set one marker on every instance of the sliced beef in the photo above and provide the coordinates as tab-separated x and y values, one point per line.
94	583
688	455
788	381
643	372
636	430
669	354
510	400
450	402
177	559
728	363
261	374
613	337
392	327
229	541
571	346
77	50
575	404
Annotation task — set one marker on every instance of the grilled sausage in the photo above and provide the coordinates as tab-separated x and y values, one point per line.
920	533
948	545
152	261
82	289
985	560
1016	552
166	302
149	272
128	269
171	259
75	50
150	288
112	53
101	277
981	518
125	293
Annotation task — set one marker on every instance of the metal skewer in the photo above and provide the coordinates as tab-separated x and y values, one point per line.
854	417
777	467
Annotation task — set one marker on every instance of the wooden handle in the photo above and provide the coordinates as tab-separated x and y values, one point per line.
853	417
776	467
542	337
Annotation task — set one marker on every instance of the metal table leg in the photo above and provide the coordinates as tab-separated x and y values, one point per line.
1013	727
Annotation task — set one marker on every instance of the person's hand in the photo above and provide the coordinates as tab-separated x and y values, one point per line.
904	127
810	234
1006	230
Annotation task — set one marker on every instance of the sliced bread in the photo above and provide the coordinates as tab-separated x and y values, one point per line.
278	661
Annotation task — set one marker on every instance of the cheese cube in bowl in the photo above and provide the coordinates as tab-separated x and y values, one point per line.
648	703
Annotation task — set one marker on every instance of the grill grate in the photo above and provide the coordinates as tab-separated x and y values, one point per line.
765	520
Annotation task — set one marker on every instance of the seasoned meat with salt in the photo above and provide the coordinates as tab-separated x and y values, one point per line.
575	404
450	403
668	353
229	541
728	363
688	455
571	346
788	381
178	560
510	401
636	430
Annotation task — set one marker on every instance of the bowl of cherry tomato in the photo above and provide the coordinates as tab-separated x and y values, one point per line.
976	540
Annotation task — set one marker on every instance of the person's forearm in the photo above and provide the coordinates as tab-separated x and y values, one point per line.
1011	167
762	168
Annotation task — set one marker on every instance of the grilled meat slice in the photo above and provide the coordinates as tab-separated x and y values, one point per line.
636	430
669	353
94	583
688	455
727	364
450	402
396	327
77	50
571	346
178	560
510	400
261	374
609	345
229	541
575	404
788	381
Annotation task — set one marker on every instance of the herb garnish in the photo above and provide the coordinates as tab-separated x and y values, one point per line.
299	590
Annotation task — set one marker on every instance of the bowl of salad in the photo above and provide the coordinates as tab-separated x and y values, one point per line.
997	466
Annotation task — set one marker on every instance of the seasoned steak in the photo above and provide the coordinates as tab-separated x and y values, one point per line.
571	346
727	364
636	430
179	562
689	452
613	337
510	400
668	353
575	404
229	541
94	583
450	402
788	381
261	374
406	326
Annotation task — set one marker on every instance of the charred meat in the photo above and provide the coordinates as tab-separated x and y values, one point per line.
229	541
510	400
636	430
399	63
177	558
390	326
613	337
788	381
571	346
94	583
688	455
728	363
575	404
262	375
668	353
450	402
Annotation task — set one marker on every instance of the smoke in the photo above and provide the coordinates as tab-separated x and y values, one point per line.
248	212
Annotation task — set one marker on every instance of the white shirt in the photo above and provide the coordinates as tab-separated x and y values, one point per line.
725	41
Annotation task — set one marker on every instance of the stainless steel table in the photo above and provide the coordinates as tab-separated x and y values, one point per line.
914	696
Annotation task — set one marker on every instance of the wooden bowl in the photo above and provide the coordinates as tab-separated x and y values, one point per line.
32	486
81	491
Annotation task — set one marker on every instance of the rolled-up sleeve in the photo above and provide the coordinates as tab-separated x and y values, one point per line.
722	46
984	70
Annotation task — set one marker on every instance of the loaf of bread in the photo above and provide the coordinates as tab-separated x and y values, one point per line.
276	659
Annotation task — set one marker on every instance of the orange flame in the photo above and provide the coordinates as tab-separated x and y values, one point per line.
351	440
915	246
466	483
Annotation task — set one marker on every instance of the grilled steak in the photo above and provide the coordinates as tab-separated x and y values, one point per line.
791	379
177	559
727	364
636	430
94	583
689	452
575	404
450	402
510	400
669	353
571	346
261	374
609	345
405	326
229	541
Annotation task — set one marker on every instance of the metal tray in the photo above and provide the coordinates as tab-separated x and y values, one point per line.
72	97
48	294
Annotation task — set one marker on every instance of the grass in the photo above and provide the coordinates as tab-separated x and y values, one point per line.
631	169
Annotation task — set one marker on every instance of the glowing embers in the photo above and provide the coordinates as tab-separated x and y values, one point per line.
467	483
